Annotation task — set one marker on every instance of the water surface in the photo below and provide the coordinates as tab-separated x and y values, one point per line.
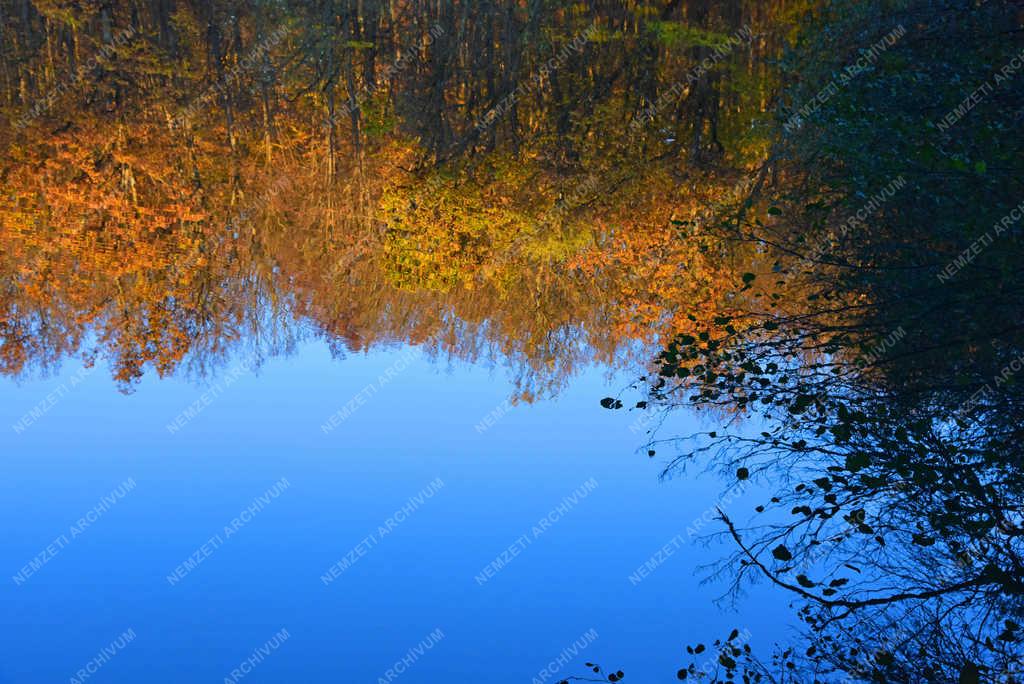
480	492
365	340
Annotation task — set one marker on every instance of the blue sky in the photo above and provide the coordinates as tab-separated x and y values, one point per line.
343	484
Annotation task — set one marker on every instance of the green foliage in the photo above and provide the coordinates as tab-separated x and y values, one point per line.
679	35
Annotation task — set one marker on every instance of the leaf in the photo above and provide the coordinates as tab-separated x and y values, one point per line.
800	404
923	540
742	473
969	674
805	582
841	432
782	553
774	211
855	462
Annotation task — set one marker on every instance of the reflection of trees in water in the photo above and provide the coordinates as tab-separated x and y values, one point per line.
332	180
233	168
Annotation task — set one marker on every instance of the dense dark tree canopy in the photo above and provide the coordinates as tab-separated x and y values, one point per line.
885	371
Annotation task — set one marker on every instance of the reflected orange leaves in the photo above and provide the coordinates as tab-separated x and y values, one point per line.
105	247
274	210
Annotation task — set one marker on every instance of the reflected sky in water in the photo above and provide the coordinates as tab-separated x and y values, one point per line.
491	487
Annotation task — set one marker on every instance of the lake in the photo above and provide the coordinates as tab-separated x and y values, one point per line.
311	556
527	341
